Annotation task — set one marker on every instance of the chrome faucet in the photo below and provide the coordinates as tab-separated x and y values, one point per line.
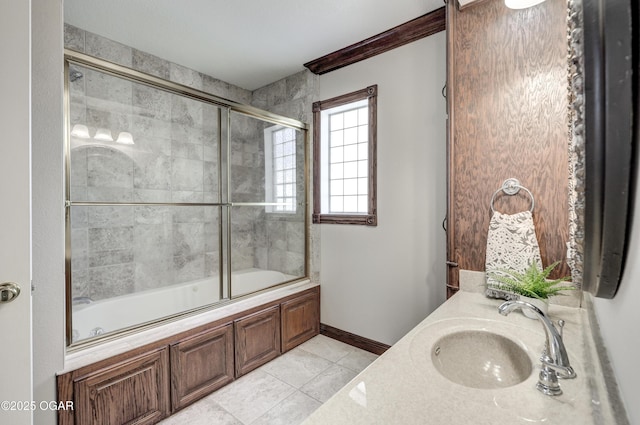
555	361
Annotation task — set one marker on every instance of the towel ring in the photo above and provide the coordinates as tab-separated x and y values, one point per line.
511	187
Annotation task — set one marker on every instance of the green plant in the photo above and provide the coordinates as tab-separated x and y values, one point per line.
533	283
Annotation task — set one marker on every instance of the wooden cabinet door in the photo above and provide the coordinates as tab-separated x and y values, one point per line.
135	391
257	339
201	364
300	320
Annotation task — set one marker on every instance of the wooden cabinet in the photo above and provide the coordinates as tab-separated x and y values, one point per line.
300	320
133	391
257	339
201	364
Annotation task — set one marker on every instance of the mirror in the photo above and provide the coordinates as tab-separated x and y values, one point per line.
601	153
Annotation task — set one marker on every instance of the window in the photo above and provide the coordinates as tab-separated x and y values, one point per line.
344	165
280	168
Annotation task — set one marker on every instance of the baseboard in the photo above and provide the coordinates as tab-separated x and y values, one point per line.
366	344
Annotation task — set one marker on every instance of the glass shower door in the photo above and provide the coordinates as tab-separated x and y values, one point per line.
267	193
144	205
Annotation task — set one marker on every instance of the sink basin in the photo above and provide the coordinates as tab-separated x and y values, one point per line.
480	359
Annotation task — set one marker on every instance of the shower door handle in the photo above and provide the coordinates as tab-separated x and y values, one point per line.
9	291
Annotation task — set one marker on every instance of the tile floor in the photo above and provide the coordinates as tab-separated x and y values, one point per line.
284	391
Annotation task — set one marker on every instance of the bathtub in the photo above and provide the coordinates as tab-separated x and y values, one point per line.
113	314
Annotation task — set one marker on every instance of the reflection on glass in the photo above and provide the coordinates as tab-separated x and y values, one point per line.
103	135
125	138
266	249
80	131
267	164
166	148
141	262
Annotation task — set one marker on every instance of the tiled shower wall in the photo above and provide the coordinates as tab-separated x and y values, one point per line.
120	250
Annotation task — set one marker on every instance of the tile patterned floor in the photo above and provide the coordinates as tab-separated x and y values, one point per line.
284	391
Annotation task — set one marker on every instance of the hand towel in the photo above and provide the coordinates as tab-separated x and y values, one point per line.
511	245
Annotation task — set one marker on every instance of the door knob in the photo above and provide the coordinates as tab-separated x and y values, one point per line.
9	291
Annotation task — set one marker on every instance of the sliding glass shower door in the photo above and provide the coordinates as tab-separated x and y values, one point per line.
175	200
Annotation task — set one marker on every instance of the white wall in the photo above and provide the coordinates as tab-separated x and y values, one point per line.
619	319
379	282
47	195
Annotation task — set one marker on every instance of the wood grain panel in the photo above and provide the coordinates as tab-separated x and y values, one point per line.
300	320
508	118
200	365
420	27
366	344
135	391
257	339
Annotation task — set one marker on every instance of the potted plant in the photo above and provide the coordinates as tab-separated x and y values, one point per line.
533	286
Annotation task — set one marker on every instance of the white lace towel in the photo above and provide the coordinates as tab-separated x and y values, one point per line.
511	245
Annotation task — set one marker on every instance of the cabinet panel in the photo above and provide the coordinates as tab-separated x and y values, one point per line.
130	392
257	339
201	364
300	320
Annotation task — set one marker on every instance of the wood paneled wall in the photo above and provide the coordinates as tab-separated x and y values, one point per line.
507	93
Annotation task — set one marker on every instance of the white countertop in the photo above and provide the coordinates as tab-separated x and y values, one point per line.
403	387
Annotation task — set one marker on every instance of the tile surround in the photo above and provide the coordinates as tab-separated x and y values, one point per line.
285	391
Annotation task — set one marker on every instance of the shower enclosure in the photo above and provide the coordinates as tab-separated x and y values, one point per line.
176	200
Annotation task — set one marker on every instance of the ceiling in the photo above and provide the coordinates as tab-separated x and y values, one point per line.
248	43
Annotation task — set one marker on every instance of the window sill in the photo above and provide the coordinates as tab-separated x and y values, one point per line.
358	219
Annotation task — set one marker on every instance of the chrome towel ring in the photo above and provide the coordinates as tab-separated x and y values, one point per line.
511	187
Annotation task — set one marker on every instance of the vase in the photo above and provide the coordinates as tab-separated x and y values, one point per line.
543	305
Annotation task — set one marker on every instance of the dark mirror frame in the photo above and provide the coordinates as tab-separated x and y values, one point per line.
610	35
